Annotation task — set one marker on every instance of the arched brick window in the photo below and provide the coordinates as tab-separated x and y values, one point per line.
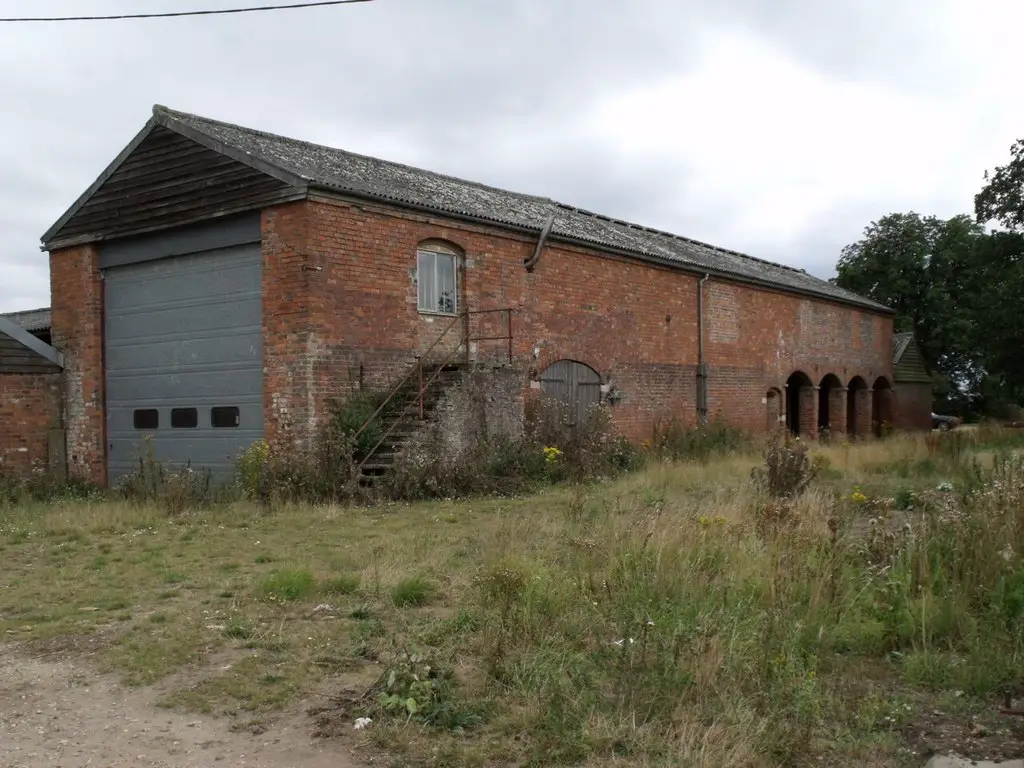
437	278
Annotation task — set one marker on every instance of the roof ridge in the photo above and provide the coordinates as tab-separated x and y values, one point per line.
681	238
159	109
702	256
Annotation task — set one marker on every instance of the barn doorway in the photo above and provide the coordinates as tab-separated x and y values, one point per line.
881	406
826	392
573	384
854	405
182	345
796	384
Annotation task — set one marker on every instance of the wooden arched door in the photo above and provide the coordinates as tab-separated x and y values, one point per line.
576	385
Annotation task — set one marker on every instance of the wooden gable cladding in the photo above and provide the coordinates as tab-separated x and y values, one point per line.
910	366
17	358
168	180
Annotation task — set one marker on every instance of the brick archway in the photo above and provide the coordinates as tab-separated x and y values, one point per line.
801	408
881	406
548	355
858	408
832	405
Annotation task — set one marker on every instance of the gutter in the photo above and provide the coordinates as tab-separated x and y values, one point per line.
702	369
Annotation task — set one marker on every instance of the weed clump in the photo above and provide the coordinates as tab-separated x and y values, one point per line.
413	591
176	491
555	446
287	584
788	469
676	441
40	485
419	687
346	584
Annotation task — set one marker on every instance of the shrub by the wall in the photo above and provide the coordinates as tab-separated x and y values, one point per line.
677	441
554	447
43	486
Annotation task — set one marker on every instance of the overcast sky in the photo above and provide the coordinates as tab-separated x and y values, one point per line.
776	127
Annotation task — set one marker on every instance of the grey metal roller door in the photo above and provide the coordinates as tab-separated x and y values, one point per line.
184	333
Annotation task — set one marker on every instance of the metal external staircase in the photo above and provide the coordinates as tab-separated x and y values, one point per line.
411	403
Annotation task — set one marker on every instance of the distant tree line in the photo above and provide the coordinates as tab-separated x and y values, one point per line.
959	287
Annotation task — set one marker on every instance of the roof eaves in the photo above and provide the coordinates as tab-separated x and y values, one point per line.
166	118
677	264
32	320
26	339
76	206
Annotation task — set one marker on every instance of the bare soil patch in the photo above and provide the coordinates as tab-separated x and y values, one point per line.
60	712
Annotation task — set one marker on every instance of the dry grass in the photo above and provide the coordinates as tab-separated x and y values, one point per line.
662	619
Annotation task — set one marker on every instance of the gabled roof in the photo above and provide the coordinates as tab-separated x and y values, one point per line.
309	167
900	342
908	364
32	320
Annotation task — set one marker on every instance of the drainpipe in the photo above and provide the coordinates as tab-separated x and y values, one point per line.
531	262
702	368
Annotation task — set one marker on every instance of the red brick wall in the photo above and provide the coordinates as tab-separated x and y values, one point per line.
290	307
339	309
755	339
30	405
635	324
913	406
77	299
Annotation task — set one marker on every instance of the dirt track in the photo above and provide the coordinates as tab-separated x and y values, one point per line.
60	713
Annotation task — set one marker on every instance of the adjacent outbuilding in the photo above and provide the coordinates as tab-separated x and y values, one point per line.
914	388
31	386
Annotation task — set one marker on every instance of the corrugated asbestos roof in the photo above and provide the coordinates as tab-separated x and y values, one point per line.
362	176
32	320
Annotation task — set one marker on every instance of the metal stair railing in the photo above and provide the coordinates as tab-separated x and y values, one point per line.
424	386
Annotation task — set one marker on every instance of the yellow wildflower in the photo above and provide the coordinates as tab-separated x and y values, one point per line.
551	454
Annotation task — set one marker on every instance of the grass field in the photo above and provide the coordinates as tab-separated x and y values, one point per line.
677	616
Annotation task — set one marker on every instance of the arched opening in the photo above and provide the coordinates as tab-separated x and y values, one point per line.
574	385
881	406
830	416
856	407
800	413
773	410
437	277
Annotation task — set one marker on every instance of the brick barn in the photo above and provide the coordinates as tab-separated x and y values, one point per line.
218	284
30	395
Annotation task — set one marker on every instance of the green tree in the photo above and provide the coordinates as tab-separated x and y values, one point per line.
920	266
1002	197
997	315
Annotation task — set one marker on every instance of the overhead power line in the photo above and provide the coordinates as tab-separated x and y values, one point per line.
178	14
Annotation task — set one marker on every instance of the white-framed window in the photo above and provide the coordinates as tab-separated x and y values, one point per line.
437	281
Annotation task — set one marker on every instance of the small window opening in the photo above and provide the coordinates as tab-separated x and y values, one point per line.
437	282
184	418
224	417
146	418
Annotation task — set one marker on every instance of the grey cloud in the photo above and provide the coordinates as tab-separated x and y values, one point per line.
885	41
447	81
